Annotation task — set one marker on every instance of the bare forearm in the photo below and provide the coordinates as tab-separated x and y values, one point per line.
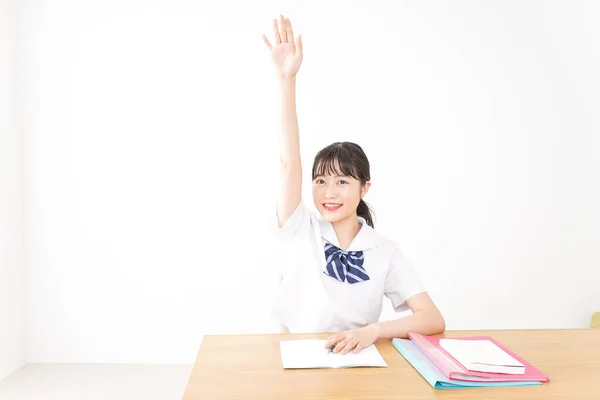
426	322
289	142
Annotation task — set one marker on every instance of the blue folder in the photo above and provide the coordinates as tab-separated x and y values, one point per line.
434	376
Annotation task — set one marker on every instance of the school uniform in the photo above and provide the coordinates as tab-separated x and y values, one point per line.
326	289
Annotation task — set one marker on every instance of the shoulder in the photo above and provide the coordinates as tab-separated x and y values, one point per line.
380	249
369	239
299	224
373	239
390	253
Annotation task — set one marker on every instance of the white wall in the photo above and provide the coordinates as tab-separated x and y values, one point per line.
152	165
12	251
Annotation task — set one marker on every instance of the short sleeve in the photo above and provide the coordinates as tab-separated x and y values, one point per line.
297	222
292	240
402	282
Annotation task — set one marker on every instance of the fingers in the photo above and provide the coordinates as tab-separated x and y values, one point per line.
345	342
349	346
276	32
358	348
288	30
267	42
284	33
282	30
334	339
342	345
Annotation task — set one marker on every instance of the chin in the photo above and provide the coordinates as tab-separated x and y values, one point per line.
329	218
332	216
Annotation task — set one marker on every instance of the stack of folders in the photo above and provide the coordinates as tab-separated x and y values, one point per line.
468	362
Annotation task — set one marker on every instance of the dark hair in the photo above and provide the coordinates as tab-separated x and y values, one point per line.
351	161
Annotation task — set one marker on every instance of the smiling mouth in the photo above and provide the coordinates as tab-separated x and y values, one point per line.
331	206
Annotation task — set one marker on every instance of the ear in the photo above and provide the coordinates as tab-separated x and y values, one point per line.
365	189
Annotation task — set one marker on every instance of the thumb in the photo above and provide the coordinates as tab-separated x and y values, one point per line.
267	42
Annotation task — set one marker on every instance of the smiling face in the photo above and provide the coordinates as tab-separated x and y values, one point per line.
340	176
337	196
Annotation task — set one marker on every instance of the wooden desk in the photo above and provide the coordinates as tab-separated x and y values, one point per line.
249	367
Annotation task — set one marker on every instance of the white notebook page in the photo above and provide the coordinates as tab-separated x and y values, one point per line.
312	353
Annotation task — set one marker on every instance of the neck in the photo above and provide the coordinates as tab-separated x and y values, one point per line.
346	230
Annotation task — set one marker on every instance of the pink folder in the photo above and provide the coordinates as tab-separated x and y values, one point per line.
430	346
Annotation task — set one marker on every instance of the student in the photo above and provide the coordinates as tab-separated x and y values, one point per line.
335	267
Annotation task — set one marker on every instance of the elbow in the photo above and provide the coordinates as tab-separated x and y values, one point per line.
440	324
436	323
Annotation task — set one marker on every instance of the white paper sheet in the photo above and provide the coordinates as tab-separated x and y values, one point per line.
312	354
482	356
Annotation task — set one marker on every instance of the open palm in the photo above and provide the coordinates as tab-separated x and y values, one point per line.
287	52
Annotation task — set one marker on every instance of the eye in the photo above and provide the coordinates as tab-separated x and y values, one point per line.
319	181
343	182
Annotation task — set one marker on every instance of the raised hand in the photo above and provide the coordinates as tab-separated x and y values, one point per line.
287	52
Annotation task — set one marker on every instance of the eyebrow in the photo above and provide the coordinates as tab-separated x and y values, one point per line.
336	176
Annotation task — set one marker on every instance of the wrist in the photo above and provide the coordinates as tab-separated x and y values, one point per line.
286	80
376	328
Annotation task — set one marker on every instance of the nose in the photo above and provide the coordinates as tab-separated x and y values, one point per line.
330	191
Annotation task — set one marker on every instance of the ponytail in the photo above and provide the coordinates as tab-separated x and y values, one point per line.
364	211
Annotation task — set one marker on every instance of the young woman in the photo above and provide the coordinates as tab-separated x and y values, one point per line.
336	269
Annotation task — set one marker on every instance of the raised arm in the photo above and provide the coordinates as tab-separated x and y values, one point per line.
286	53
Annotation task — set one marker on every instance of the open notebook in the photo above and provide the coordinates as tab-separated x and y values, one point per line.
313	354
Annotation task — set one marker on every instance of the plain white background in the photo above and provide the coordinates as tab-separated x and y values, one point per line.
12	250
150	162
